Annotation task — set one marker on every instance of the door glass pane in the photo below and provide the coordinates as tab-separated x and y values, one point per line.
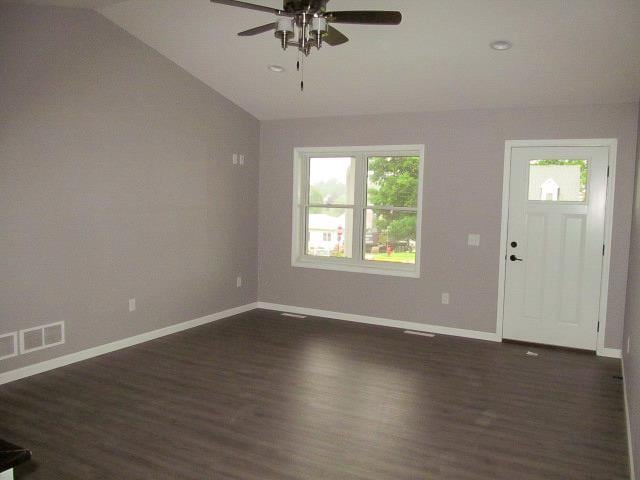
390	236
331	181
392	181
329	232
554	180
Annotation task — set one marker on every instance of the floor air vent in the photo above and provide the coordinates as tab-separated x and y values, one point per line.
294	315
422	334
8	345
44	336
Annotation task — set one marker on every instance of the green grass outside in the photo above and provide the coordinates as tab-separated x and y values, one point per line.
397	257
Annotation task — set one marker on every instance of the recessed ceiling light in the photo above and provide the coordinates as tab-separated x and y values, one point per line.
501	45
276	68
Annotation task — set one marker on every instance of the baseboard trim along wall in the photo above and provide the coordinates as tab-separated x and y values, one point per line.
58	362
632	472
385	322
609	352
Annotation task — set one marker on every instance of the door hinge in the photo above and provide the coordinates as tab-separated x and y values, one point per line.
603	249
608	171
598	328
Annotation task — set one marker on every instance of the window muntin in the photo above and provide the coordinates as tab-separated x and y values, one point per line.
358	209
558	180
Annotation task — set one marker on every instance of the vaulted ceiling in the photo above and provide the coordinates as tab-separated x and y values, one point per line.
564	52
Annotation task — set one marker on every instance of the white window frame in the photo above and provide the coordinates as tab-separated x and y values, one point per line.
356	264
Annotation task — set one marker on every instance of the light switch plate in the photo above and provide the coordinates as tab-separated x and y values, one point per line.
445	299
473	240
235	158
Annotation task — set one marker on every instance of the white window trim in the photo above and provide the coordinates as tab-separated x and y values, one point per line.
298	257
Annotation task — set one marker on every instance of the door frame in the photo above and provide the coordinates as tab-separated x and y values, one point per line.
612	145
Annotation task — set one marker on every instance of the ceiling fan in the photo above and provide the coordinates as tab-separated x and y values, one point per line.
304	24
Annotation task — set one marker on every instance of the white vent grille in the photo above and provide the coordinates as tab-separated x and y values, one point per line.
8	345
44	336
294	315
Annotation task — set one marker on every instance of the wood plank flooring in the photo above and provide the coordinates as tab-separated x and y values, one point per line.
260	397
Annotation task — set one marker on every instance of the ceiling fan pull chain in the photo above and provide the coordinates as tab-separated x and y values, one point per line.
302	76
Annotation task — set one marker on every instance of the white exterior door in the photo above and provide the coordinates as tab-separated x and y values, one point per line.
556	222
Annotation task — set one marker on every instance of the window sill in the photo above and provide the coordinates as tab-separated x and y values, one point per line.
392	271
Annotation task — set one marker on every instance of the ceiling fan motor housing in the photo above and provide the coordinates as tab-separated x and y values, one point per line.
309	6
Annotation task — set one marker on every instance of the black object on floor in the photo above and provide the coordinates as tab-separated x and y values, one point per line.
12	455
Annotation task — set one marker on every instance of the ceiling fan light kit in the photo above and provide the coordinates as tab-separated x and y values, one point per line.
285	31
304	24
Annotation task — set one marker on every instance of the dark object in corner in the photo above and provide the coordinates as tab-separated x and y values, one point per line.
12	455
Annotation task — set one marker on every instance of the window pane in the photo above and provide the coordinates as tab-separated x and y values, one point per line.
390	236
552	180
329	232
392	181
331	180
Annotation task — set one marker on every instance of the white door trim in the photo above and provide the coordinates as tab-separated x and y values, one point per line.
612	144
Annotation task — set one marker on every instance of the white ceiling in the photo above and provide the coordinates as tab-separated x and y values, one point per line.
565	52
67	3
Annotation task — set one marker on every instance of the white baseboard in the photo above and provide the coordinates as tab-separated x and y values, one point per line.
7	475
58	362
632	471
609	352
386	322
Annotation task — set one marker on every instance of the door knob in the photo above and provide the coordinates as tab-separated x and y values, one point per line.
513	258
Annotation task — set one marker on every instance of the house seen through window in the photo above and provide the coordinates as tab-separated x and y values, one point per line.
558	180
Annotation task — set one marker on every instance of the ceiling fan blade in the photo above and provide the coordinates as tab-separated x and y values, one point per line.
334	37
252	6
257	30
364	16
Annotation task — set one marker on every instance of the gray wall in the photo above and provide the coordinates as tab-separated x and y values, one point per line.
631	358
115	182
462	194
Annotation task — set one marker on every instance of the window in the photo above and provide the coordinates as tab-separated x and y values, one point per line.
358	209
553	180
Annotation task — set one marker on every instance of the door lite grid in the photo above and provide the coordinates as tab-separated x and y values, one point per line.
360	209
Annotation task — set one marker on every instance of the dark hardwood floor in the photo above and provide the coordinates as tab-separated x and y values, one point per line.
260	396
